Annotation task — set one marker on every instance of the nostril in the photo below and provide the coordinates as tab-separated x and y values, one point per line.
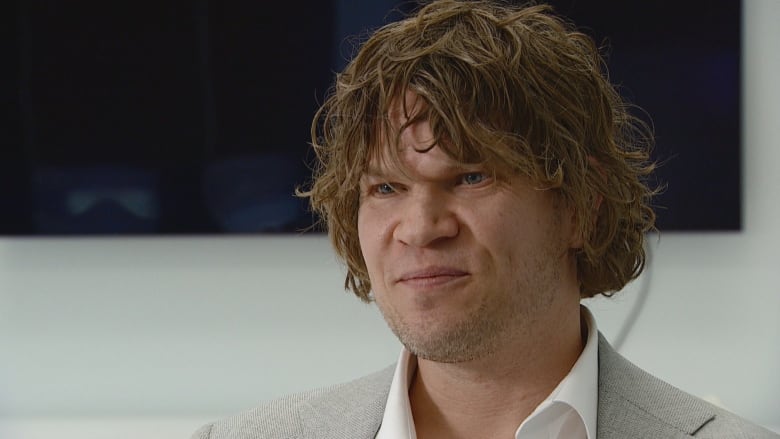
425	228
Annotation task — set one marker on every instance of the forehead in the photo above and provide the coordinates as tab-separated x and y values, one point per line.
409	126
412	163
403	128
411	149
405	107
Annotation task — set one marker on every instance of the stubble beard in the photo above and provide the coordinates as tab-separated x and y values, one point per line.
501	318
472	337
482	331
478	334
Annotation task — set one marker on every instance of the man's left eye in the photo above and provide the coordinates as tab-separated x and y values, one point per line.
473	178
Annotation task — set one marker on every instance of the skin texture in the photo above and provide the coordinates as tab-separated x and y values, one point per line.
476	275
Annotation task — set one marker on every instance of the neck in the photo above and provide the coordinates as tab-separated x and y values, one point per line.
491	396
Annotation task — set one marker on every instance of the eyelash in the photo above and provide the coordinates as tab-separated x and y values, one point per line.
377	189
462	178
386	188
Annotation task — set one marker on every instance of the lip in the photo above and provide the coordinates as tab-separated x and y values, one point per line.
431	276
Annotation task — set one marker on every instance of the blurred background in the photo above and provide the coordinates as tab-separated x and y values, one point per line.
151	332
192	117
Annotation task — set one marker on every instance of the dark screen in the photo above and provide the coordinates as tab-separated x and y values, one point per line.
193	117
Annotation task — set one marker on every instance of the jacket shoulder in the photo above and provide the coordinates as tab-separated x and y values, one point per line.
353	406
634	403
728	425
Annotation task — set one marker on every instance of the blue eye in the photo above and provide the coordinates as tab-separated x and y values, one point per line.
473	178
384	189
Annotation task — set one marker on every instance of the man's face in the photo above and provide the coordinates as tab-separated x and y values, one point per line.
461	263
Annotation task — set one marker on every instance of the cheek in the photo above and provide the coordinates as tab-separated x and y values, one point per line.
363	235
510	236
498	229
369	236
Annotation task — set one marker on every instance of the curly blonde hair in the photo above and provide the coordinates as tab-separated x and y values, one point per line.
516	88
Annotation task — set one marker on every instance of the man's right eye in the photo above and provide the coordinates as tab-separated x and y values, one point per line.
384	189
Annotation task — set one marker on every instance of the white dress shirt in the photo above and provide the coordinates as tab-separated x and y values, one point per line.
569	412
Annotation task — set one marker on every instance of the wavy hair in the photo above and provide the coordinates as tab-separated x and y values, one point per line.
515	88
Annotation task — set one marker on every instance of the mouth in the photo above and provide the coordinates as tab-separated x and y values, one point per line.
432	276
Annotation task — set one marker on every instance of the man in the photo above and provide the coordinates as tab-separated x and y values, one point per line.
479	176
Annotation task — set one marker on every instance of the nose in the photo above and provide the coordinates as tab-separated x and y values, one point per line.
425	219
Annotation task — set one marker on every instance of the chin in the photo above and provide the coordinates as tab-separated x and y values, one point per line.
455	344
442	353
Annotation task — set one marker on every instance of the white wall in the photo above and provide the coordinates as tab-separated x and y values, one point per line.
115	338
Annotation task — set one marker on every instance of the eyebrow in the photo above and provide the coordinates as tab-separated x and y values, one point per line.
374	174
384	172
374	171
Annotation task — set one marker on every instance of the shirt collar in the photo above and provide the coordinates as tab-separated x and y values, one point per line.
578	389
397	422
